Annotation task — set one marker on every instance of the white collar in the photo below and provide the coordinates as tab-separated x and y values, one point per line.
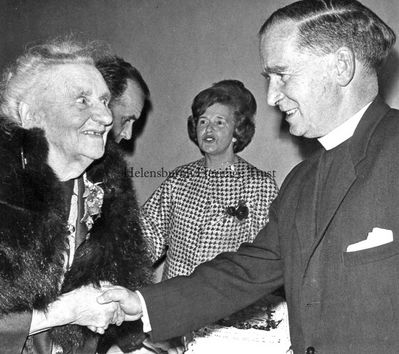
343	132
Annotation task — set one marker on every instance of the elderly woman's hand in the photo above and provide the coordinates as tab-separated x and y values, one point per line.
79	307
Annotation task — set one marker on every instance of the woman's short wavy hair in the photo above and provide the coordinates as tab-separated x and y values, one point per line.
20	78
231	93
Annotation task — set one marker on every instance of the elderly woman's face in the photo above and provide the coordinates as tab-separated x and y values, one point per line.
215	129
73	111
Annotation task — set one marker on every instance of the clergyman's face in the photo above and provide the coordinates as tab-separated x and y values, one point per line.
126	110
73	110
300	83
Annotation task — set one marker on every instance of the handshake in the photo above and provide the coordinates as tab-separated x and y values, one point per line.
94	308
114	305
126	303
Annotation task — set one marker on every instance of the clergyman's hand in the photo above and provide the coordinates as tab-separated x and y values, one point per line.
88	312
128	301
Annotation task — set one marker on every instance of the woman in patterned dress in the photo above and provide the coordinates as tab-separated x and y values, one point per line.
214	204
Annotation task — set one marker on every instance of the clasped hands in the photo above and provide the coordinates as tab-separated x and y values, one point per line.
127	302
130	304
89	306
112	305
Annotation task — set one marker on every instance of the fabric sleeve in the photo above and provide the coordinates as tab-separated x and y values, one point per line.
267	191
155	217
14	330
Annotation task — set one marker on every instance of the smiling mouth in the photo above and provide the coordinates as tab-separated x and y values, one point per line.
291	112
94	133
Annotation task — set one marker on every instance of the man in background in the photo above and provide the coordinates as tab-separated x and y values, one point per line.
129	94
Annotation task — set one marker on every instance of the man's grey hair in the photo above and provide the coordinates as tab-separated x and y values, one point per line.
20	78
326	25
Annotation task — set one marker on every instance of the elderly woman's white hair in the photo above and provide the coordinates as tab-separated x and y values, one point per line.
19	79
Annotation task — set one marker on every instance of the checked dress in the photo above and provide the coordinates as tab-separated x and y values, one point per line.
186	216
189	218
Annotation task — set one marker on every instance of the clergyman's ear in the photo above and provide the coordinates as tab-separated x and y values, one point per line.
27	117
346	65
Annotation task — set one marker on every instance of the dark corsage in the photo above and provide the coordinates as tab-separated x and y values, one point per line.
93	200
240	212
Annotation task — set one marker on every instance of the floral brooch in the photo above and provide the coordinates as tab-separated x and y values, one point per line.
93	200
240	212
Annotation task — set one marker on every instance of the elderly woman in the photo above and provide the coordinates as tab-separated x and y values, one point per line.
68	225
218	202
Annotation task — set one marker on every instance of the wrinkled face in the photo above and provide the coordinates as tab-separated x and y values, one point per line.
126	110
72	106
300	83
215	129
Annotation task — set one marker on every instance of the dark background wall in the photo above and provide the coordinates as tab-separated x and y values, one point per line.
181	47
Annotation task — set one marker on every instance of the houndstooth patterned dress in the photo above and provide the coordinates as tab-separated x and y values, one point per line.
186	216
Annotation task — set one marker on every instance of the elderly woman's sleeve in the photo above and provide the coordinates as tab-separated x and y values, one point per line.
14	330
156	216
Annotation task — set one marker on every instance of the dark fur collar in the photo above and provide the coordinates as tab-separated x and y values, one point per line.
33	230
26	187
33	225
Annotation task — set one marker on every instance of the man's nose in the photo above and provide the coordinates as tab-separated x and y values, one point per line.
127	130
274	93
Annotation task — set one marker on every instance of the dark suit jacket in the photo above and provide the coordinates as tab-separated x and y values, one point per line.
338	302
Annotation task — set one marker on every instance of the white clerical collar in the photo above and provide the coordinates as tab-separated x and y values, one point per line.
343	132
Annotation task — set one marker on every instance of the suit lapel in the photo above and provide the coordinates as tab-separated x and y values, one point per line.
305	221
305	216
361	139
332	194
342	179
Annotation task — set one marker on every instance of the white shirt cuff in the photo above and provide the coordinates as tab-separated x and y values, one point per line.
37	321
145	318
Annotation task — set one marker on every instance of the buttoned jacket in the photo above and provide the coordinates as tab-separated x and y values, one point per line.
339	301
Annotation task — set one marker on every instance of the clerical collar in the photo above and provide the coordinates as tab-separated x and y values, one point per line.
342	132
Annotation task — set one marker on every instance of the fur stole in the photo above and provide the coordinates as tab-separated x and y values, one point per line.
34	229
